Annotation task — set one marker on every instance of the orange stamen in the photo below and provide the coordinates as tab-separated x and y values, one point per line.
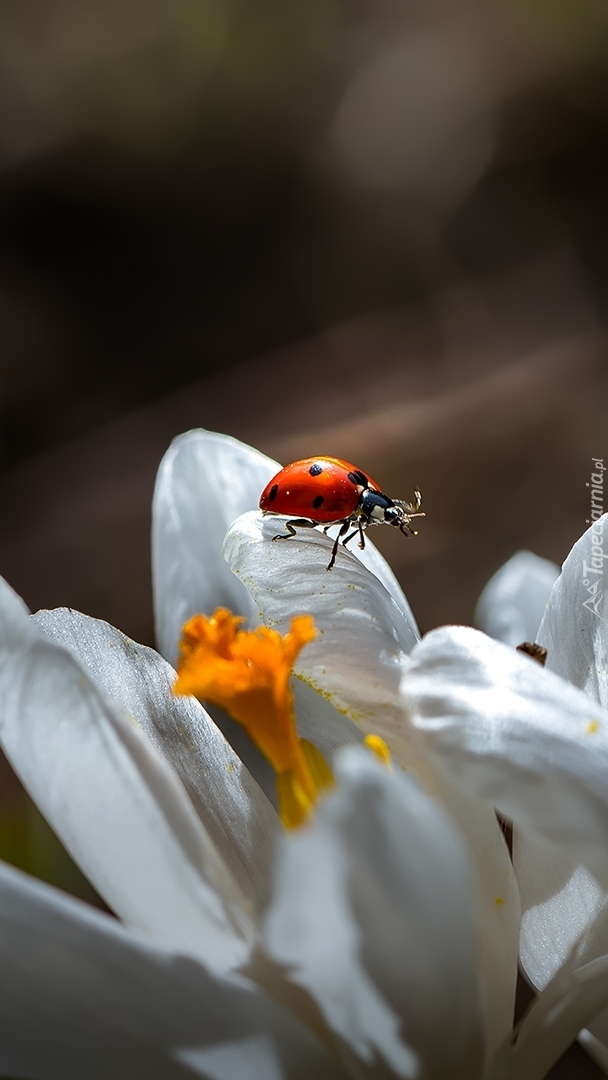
247	674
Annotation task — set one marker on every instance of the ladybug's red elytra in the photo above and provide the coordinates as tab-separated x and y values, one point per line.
329	491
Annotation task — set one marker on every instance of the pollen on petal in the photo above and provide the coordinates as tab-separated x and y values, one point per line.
592	727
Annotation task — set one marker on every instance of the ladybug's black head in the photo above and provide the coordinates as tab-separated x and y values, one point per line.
375	506
393	515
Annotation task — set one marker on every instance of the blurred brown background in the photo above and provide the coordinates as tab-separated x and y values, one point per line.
374	229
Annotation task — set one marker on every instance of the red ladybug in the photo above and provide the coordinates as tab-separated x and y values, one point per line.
328	491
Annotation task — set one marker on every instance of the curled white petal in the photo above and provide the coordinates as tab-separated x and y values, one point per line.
362	631
573	629
234	811
374	914
204	482
118	807
513	602
512	731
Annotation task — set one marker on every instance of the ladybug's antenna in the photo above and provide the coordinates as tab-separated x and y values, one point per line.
412	509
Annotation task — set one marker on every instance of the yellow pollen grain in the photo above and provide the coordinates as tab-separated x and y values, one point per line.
592	727
499	901
379	748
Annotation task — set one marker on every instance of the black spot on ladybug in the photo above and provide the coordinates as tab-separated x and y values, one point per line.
358	478
315	470
318	501
272	494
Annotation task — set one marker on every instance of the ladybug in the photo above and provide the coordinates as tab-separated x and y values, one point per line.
328	491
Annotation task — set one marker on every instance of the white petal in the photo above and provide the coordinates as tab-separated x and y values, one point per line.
514	732
519	735
117	806
355	662
374	914
320	722
572	1000
362	631
513	602
82	998
204	482
565	912
374	561
234	811
573	629
597	1050
557	888
498	903
561	899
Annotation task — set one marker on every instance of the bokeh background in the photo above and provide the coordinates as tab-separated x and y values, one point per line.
370	228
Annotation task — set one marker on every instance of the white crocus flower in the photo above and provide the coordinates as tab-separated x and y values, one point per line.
355	662
348	678
389	924
535	741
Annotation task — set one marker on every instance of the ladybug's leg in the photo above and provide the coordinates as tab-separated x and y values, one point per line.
406	528
361	534
343	530
300	523
359	529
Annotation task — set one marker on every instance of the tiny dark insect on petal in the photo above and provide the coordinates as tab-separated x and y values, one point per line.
537	652
315	470
272	494
318	501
